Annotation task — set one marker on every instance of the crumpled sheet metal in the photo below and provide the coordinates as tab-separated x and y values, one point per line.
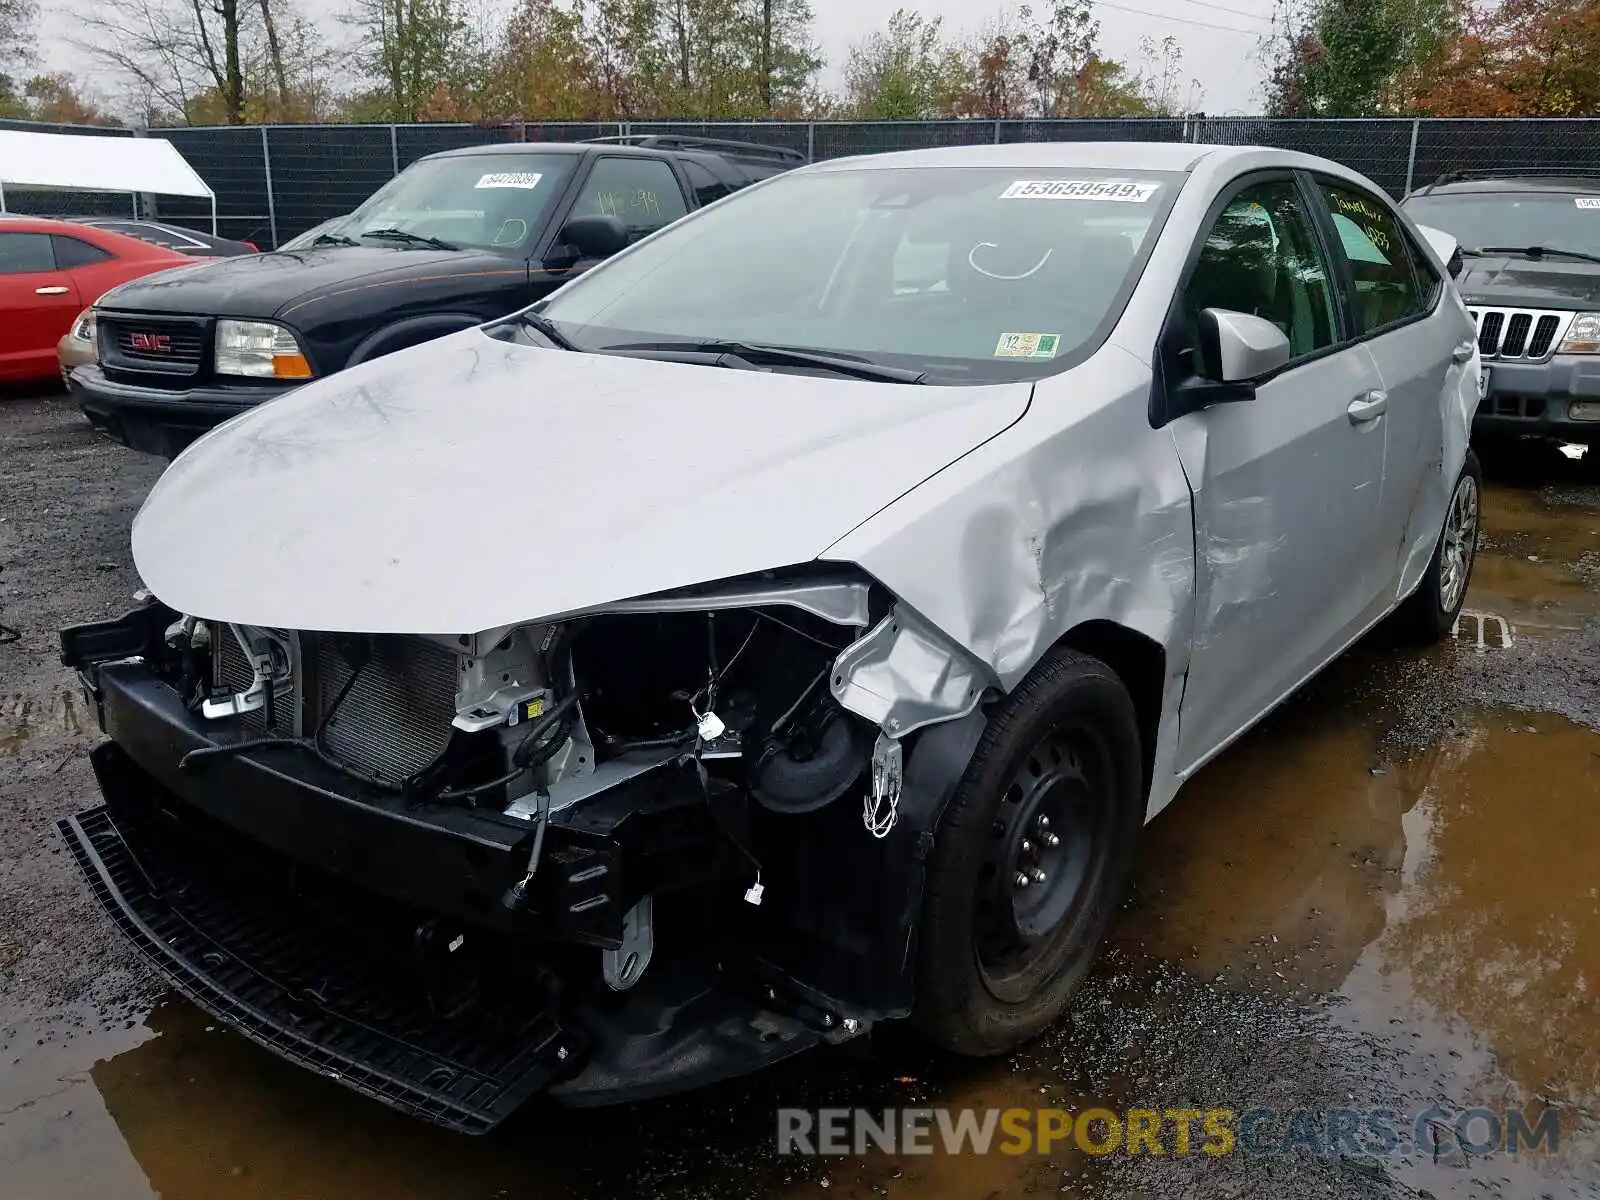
1074	514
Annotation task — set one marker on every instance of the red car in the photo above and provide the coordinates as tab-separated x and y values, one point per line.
50	271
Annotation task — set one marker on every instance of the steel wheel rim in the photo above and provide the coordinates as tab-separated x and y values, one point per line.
1460	544
1048	849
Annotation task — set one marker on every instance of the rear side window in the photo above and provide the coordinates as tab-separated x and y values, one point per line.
642	193
75	252
707	187
1380	257
22	253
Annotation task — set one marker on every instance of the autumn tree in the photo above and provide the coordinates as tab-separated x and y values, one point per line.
1354	58
1521	58
212	61
412	50
905	71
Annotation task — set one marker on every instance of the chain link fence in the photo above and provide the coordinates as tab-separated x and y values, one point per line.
276	181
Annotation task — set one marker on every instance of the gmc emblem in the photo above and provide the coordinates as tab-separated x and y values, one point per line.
151	343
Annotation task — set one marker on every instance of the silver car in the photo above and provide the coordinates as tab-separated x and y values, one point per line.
785	627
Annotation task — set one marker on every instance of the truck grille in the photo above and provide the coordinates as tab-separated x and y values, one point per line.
1518	334
153	345
394	720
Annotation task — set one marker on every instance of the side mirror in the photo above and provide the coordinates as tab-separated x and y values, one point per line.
595	236
1445	246
1236	347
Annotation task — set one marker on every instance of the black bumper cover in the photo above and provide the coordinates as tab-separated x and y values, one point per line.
160	421
1535	398
324	971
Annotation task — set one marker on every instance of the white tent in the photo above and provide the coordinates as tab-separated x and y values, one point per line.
82	162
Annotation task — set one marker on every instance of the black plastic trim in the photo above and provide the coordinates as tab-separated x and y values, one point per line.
408	1074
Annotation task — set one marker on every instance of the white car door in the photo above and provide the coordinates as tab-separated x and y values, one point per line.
1288	485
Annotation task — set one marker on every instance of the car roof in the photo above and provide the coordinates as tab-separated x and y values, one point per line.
512	149
1554	182
1147	156
106	239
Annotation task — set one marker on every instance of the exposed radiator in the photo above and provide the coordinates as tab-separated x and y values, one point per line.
395	719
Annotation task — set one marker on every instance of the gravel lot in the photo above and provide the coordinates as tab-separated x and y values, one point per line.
1384	896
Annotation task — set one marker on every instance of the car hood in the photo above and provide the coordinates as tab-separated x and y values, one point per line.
471	483
262	285
1528	283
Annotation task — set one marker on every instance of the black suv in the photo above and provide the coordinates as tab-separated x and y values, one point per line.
1531	250
454	240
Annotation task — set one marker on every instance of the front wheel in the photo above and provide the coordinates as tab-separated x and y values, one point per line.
1430	612
1031	858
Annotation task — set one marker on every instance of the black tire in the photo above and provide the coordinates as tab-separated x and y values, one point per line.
993	974
1430	612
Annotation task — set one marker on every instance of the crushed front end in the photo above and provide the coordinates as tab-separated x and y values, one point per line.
607	857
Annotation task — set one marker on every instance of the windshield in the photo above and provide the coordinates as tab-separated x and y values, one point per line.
971	274
1476	219
488	201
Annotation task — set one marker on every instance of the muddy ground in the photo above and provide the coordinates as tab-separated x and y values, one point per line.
1386	896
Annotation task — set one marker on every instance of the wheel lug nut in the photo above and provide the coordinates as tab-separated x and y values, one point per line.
1036	875
1042	823
1022	880
1051	839
1027	847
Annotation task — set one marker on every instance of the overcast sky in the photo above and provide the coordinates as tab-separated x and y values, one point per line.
1219	37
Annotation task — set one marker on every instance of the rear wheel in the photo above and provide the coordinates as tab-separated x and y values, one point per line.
1430	612
1031	858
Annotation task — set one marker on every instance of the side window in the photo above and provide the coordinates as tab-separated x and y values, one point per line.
642	193
23	253
75	252
707	187
1381	259
1261	257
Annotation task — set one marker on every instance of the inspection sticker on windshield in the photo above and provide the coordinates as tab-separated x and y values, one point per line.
1027	345
527	180
1079	189
1587	201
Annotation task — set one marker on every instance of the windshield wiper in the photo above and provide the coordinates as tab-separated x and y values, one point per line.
547	327
1535	252
405	235
333	239
725	353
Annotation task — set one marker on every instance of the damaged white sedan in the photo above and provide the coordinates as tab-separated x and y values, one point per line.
784	628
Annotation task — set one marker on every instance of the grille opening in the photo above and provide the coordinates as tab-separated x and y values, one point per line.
1489	333
1544	336
1516	338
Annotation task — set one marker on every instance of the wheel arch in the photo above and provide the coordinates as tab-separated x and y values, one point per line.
398	335
1141	663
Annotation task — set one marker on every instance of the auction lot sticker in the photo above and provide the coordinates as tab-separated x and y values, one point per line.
527	180
1079	189
1587	201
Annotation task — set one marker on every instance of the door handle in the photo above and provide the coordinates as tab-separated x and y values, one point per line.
1463	352
50	291
1368	406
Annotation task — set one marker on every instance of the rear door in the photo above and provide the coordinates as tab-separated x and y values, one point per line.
37	304
1287	486
1403	316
